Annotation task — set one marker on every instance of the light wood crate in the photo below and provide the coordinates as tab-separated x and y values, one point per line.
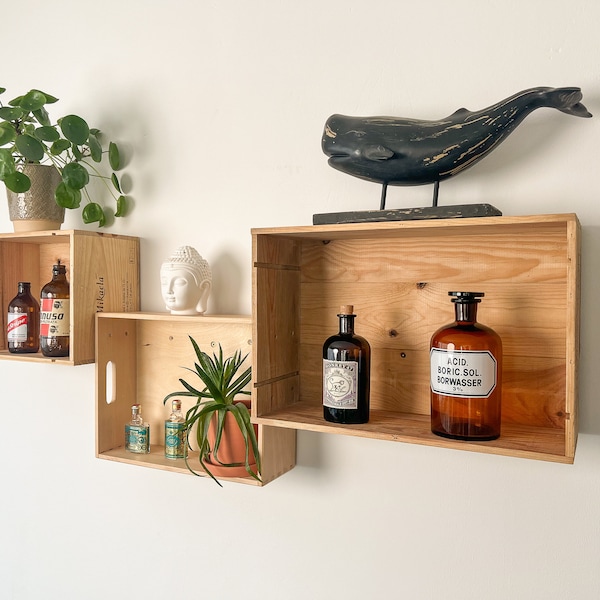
150	353
103	275
397	275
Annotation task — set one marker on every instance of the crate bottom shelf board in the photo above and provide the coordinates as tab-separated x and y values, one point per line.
156	460
539	443
35	357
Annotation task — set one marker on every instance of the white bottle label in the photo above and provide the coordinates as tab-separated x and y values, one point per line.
340	384
54	317
463	373
16	330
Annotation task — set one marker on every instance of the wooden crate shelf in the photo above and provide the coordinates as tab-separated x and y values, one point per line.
397	275
150	352
103	274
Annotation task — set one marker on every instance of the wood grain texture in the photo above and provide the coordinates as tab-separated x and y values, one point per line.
397	276
152	351
102	270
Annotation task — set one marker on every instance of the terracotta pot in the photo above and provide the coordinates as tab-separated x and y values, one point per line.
232	448
36	209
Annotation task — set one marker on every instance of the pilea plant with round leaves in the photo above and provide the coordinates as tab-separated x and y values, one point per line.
27	135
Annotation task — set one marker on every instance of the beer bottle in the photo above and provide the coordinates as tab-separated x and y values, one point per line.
55	314
23	324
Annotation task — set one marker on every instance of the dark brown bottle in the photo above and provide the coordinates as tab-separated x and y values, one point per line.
23	326
466	375
346	373
55	314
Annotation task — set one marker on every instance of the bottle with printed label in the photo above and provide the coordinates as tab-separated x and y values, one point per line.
55	314
137	433
23	323
346	373
466	375
175	433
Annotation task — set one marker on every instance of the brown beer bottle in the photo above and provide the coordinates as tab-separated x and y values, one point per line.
23	325
346	373
466	375
55	314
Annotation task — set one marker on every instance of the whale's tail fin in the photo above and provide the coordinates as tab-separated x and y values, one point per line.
568	100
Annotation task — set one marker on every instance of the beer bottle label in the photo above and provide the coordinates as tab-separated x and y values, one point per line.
16	330
340	379
54	317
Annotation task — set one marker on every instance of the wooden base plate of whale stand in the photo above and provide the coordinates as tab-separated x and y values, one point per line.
408	214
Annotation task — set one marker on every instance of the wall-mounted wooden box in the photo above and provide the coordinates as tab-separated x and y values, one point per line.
397	276
149	353
103	273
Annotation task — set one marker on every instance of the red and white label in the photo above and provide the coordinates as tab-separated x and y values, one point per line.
54	317
16	330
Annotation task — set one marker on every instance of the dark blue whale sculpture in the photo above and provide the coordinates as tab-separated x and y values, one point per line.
397	151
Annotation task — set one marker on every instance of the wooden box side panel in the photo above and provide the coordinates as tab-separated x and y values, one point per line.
277	450
104	278
116	345
273	395
573	335
275	309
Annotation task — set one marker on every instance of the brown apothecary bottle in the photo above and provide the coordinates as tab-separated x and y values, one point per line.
466	375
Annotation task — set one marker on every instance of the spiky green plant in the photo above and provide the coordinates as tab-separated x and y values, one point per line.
222	384
27	135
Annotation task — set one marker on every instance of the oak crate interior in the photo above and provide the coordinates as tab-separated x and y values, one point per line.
140	359
103	275
397	275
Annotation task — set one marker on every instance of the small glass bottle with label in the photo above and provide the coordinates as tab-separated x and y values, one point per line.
346	373
466	375
23	323
55	314
175	433
137	433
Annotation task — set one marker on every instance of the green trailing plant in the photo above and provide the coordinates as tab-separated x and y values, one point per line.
221	383
27	135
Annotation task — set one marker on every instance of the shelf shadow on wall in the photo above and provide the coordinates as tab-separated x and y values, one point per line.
227	280
589	407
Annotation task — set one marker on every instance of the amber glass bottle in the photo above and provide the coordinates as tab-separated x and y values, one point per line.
55	314
466	375
23	324
346	373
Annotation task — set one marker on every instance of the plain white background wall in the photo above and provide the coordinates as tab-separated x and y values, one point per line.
220	107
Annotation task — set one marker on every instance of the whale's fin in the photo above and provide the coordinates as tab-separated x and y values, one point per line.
461	112
567	100
377	152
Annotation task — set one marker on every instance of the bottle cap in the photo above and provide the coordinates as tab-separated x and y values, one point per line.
466	297
58	267
347	309
176	404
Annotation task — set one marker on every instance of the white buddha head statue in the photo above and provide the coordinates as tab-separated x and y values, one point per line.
185	282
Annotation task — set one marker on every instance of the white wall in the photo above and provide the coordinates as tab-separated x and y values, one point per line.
220	106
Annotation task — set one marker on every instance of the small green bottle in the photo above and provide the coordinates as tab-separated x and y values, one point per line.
137	433
175	433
